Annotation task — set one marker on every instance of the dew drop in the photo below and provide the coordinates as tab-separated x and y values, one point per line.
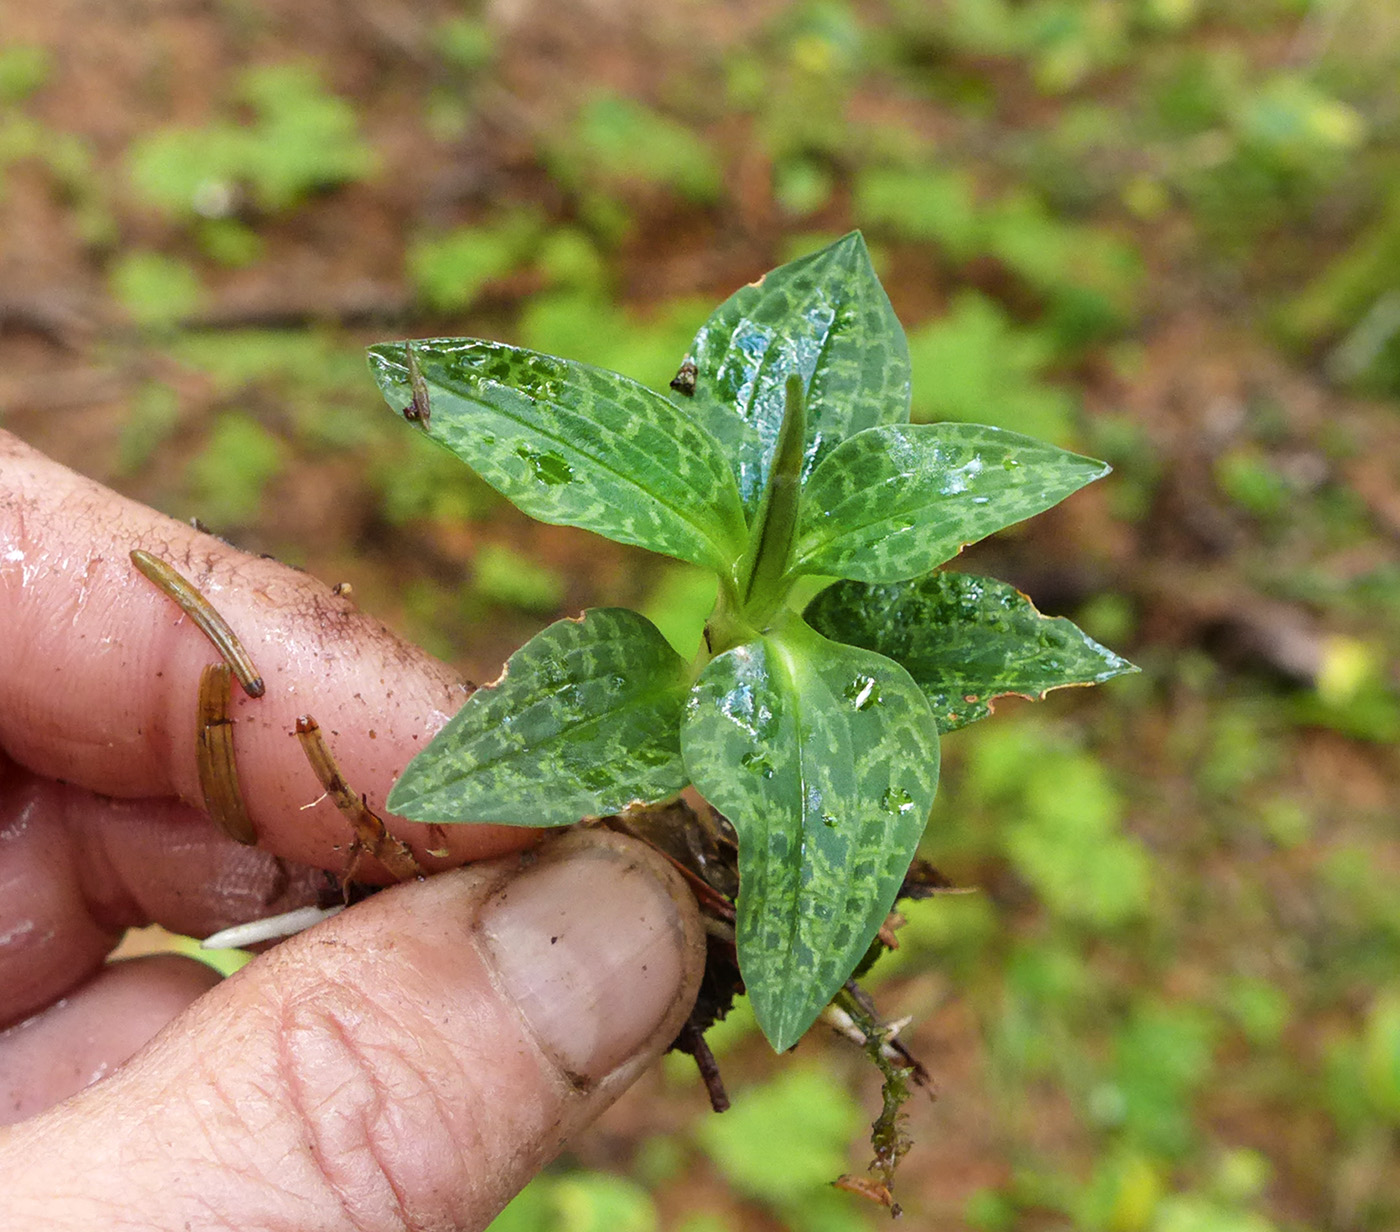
896	800
756	762
550	468
828	821
862	692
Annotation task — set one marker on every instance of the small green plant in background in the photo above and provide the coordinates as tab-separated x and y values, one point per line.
67	157
989	371
300	138
231	473
784	459
782	1142
450	270
158	292
618	147
23	70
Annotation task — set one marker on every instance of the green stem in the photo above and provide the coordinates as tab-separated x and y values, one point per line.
727	626
761	574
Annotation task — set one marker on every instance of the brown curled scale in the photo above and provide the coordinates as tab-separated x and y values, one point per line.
417	411
371	834
684	380
187	597
218	771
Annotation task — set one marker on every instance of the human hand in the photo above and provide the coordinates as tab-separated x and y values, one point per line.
409	1063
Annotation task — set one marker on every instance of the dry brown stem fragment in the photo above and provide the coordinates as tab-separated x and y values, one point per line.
371	834
218	772
187	597
418	410
869	1188
889	930
692	1040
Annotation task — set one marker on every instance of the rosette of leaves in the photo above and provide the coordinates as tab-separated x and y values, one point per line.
784	453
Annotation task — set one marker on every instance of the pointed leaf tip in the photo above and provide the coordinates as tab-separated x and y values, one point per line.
824	317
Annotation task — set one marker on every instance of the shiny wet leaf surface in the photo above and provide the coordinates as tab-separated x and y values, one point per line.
825	758
572	444
965	640
583	721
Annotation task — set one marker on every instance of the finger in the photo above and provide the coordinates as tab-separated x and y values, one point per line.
408	1064
99	670
76	870
82	1038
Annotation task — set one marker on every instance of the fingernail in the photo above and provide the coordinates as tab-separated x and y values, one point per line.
590	945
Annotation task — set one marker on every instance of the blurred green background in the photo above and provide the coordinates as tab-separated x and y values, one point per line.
1164	232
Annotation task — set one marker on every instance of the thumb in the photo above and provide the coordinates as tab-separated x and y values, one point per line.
409	1064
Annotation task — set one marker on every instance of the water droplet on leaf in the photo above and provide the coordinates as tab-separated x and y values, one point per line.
759	764
549	468
896	800
862	692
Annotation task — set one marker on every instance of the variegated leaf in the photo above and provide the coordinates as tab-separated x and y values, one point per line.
896	501
584	720
965	640
825	759
825	317
573	445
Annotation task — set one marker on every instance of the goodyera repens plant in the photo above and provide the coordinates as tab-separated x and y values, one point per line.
783	459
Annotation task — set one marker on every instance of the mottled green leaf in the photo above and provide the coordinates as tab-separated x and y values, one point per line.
895	501
965	640
574	445
825	758
826	318
584	720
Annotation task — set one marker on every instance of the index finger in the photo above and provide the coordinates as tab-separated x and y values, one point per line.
100	670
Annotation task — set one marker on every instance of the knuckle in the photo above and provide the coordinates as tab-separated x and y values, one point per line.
372	1101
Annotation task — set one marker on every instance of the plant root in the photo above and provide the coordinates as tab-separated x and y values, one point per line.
372	836
218	771
188	598
888	1136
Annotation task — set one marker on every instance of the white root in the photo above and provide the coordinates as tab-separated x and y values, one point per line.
843	1024
273	928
